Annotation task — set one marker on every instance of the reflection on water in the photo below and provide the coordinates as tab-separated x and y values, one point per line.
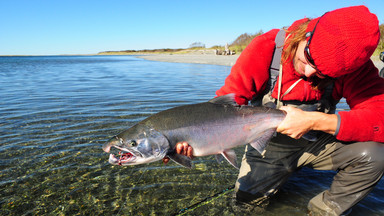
56	112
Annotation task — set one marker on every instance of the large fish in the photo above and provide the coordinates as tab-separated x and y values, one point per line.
213	127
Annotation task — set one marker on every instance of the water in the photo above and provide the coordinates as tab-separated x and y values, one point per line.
57	111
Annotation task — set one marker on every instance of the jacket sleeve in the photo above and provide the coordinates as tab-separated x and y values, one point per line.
250	74
364	93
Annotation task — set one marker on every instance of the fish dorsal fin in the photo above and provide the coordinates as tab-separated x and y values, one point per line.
230	156
225	99
261	143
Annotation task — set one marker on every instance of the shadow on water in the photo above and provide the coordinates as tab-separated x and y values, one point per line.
58	111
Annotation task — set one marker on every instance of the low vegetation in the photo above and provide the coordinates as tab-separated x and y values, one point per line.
380	47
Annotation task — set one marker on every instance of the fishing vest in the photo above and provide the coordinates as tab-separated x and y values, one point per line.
326	104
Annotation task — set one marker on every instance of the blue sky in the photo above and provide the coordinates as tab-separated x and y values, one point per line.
48	27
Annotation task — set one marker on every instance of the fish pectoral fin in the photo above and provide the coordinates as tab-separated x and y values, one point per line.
181	159
261	142
231	157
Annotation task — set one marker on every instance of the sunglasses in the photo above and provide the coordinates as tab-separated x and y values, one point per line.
307	53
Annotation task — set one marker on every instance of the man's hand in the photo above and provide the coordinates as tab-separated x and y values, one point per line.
181	148
296	123
299	122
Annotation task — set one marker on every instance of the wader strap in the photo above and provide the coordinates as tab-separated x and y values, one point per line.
276	63
276	60
274	68
290	88
279	104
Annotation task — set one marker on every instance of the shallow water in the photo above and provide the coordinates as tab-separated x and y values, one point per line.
57	111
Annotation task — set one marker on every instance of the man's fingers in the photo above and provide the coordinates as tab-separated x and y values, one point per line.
190	152
179	148
182	148
185	148
165	160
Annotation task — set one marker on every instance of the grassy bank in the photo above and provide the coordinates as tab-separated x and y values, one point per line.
161	51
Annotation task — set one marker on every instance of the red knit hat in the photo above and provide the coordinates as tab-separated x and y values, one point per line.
344	39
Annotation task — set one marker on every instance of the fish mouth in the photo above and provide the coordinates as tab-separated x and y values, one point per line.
123	158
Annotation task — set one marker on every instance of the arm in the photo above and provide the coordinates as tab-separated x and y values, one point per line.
298	122
250	74
364	93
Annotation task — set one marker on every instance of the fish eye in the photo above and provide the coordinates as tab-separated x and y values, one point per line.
133	143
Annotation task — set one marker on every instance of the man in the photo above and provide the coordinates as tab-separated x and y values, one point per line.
323	60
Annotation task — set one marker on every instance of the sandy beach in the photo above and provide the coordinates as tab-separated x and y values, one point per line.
213	59
193	58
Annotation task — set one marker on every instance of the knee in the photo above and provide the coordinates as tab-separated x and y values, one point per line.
371	154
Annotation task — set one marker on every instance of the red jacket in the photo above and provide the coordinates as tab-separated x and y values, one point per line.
362	89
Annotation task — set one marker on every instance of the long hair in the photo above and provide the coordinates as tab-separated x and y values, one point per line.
295	36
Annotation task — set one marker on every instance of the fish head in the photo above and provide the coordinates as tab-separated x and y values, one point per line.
137	145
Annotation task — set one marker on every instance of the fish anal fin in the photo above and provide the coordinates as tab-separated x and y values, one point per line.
219	158
181	159
261	142
231	157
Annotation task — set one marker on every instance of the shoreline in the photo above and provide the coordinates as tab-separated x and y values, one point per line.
204	58
213	59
